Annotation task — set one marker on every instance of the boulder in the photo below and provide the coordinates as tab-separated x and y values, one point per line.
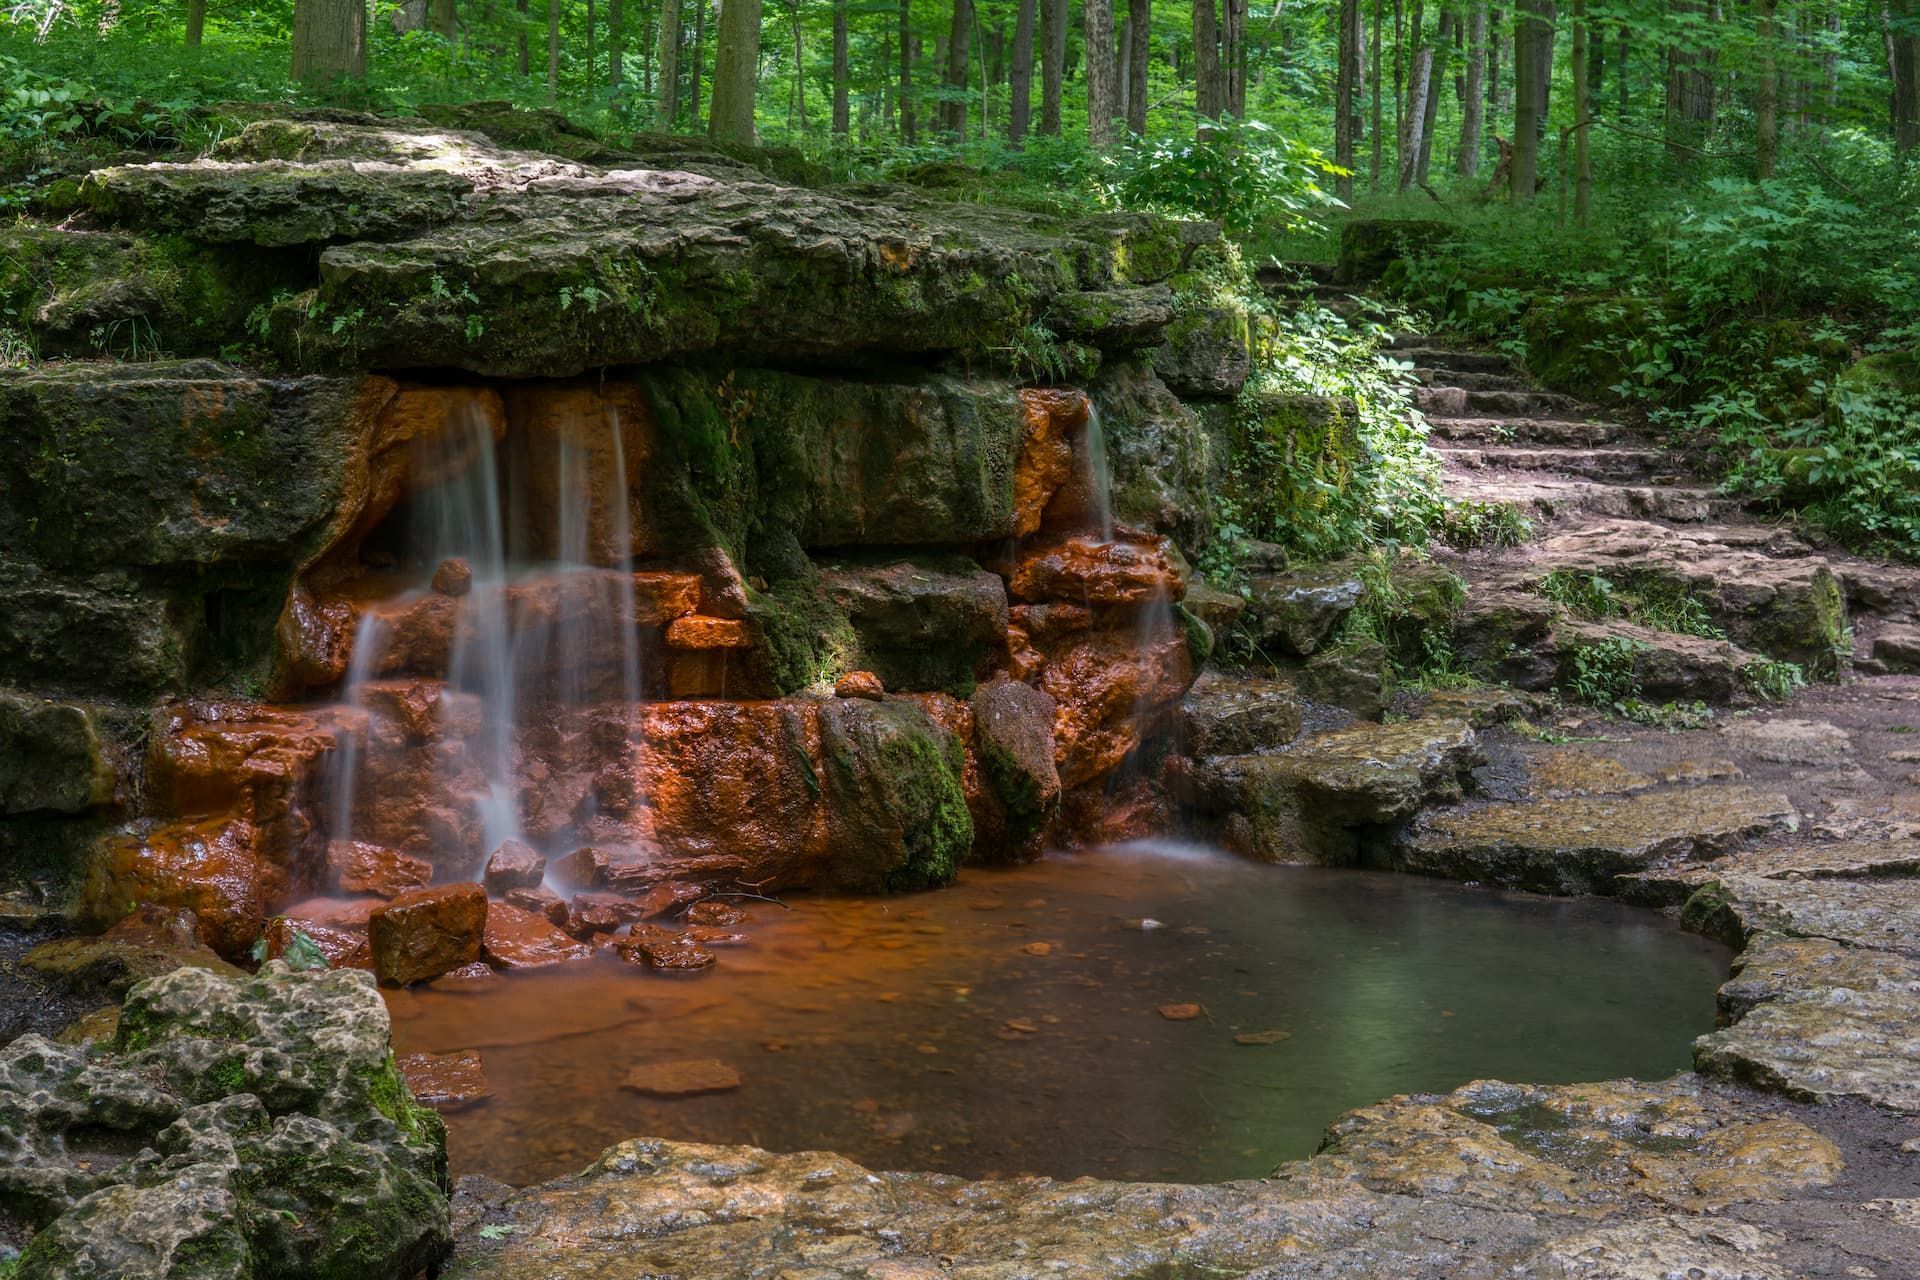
921	624
426	932
661	948
1355	675
52	756
1225	715
356	867
235	1126
148	942
514	865
1294	612
892	784
209	866
1013	741
517	939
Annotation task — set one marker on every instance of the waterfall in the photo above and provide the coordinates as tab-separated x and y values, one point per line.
1099	473
544	636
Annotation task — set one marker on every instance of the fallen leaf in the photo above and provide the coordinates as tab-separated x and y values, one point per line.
1180	1012
1262	1037
1038	948
1021	1024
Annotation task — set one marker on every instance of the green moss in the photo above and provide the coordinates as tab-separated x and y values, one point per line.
1198	634
1710	911
389	1094
807	642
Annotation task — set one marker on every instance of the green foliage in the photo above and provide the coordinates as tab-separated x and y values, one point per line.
1652	602
302	953
1239	173
1604	673
1674	717
1772	680
1469	523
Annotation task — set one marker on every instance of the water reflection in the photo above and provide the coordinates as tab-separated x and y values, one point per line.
1013	1023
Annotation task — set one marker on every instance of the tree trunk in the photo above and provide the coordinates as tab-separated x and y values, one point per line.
1766	98
329	40
1206	61
1530	32
799	96
953	103
1582	117
1689	92
1373	181
523	61
1413	121
1020	74
1904	38
842	117
1430	112
1346	96
1596	71
697	71
1622	86
1053	63
553	52
616	42
196	22
409	15
1097	31
736	68
1233	60
1139	58
1473	105
908	126
667	112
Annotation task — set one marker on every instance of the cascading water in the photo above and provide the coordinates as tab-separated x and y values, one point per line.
543	634
1099	473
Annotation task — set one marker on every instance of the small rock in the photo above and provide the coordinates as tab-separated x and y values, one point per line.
424	933
668	897
542	901
453	578
1038	949
516	939
446	1081
1021	1026
592	913
659	948
1262	1037
514	865
1792	741
584	868
712	937
859	684
1180	1012
715	912
683	1078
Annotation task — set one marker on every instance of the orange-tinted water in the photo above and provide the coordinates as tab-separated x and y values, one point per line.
1010	1024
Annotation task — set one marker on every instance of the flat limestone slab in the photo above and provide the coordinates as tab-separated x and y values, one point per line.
1809	860
1837	1023
1582	844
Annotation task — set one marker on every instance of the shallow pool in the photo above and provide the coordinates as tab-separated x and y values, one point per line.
1030	1020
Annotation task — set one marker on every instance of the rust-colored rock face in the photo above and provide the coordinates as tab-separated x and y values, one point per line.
1086	570
428	932
514	865
1052	418
356	867
859	684
517	939
1110	685
571	448
210	867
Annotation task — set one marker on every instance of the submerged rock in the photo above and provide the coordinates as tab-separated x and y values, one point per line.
274	1138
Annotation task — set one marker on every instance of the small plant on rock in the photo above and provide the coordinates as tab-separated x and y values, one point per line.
1604	672
1772	680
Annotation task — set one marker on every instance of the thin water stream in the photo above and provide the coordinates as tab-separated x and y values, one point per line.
1012	1024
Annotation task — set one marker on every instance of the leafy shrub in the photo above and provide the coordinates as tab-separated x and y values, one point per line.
1239	173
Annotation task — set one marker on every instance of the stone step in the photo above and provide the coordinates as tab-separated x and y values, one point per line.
1764	589
1583	844
1589	464
1545	431
1457	402
1548	498
1460	361
1469	379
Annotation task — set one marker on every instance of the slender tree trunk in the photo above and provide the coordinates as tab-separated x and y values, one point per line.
1122	63
1233	60
908	126
523	60
842	117
736	68
1623	87
953	106
1766	104
1346	96
1020	74
697	70
593	54
1689	91
1399	78
1373	180
1139	59
1097	31
1496	41
329	40
1207	98
1053	63
616	42
1419	76
196	22
1582	117
1596	71
799	95
1904	38
1830	63
667	112
1529	33
1474	101
1430	112
553	52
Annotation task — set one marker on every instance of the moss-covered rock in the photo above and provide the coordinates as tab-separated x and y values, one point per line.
1159	454
53	756
1888	373
923	624
273	1137
1013	738
893	783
